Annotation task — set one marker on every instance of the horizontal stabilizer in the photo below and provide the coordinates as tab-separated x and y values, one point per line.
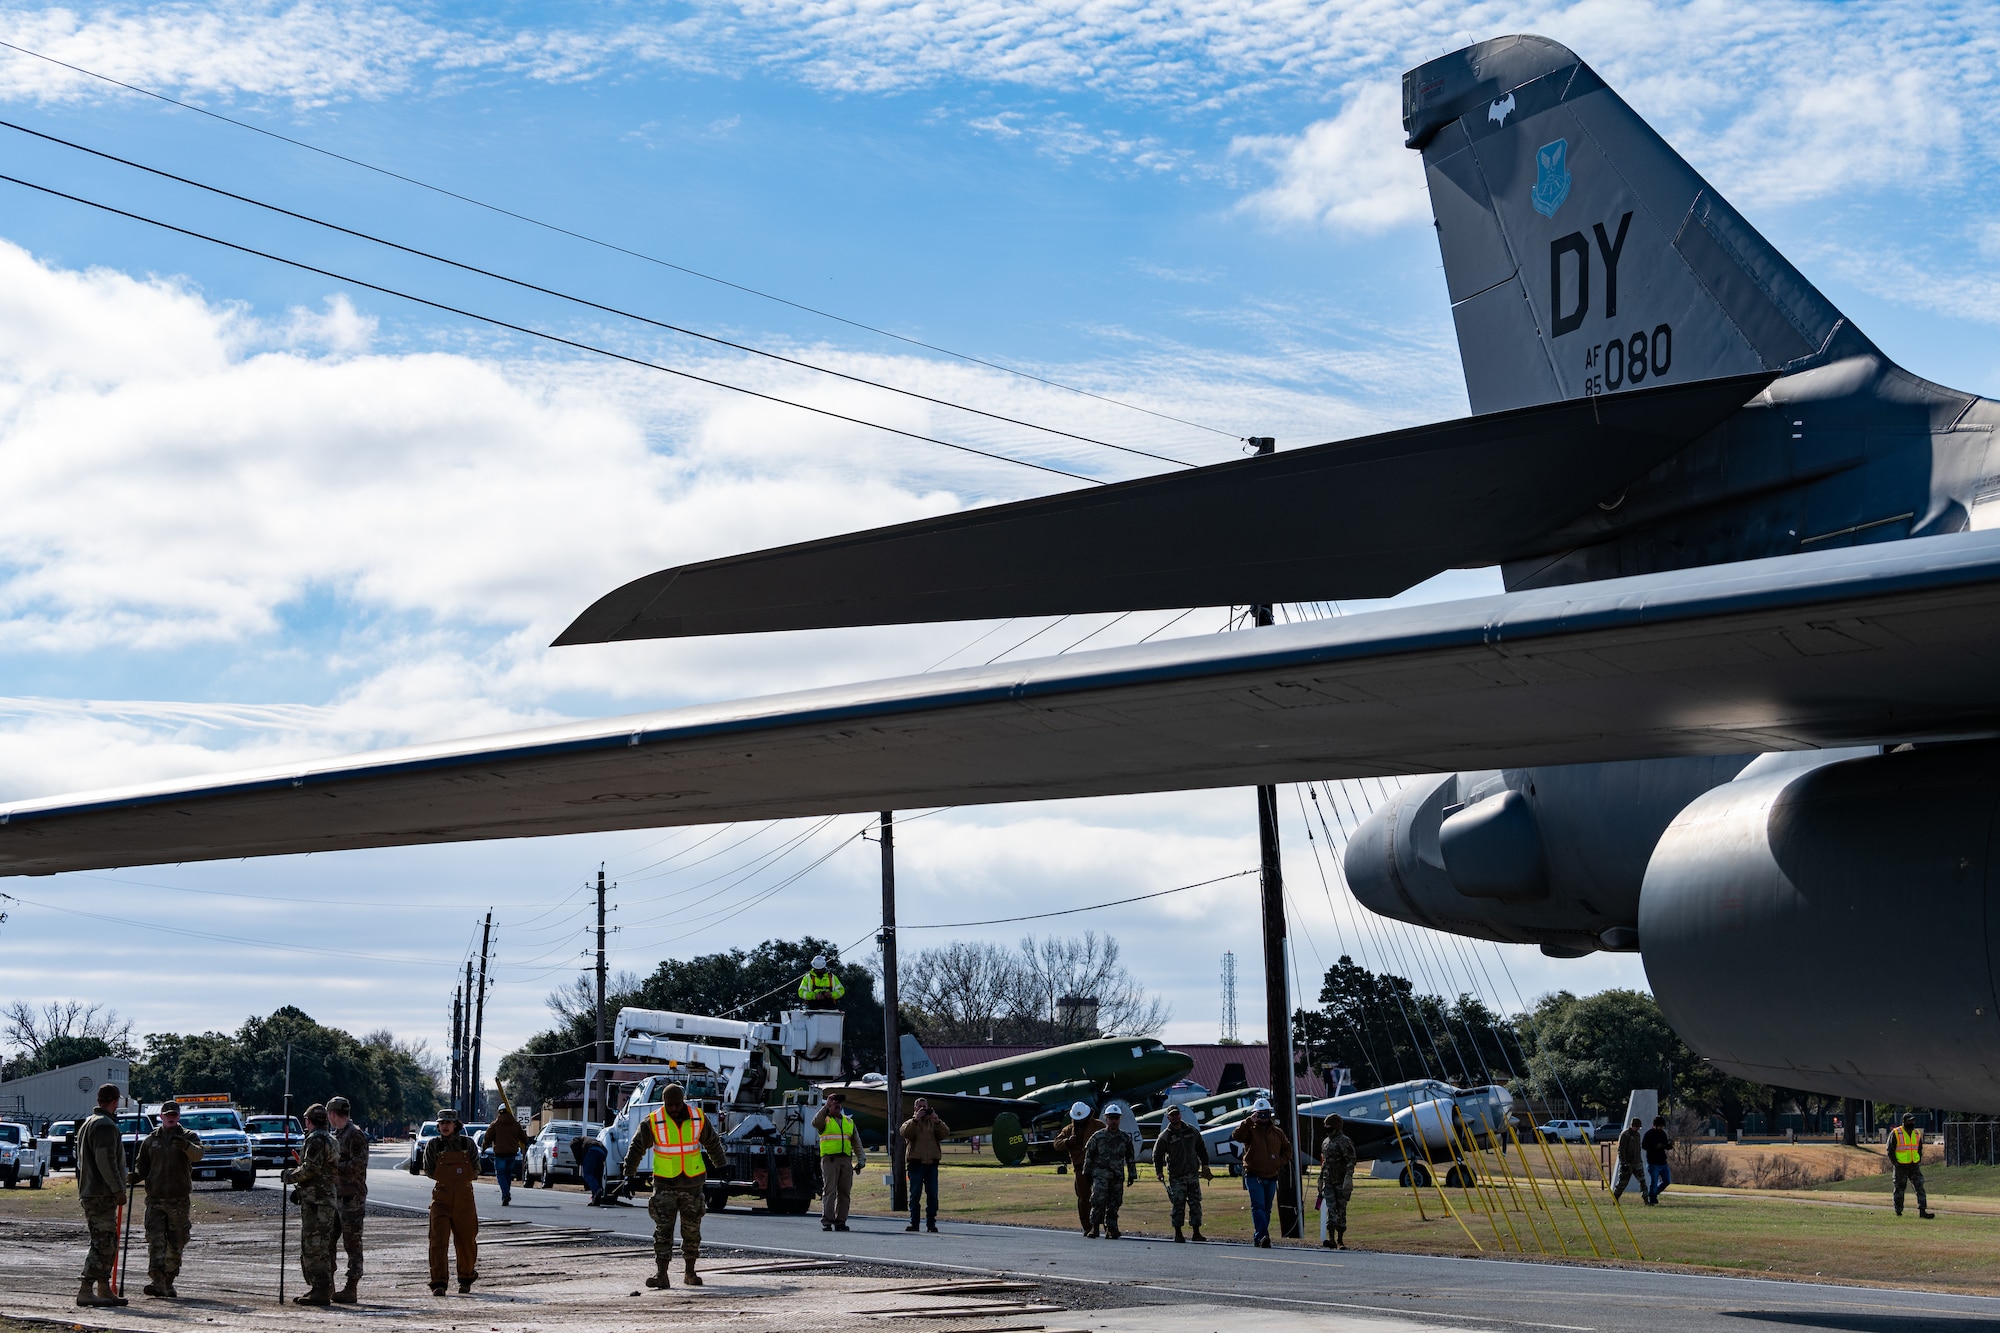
1357	518
1870	644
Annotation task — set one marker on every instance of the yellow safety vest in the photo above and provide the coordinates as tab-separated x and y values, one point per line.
1908	1143
677	1144
816	984
838	1136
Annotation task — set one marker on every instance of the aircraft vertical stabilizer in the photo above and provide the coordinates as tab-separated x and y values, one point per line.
1581	253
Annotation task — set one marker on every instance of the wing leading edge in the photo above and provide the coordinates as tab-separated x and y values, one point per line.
1357	518
1894	642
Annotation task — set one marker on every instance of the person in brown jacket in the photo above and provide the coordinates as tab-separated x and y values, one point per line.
452	1160
924	1134
1267	1155
101	1189
1074	1138
166	1167
506	1140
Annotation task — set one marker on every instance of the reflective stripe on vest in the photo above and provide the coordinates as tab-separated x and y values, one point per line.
1908	1143
677	1144
816	984
838	1136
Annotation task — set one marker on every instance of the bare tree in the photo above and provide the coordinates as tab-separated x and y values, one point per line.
1058	972
1048	991
31	1030
577	998
965	992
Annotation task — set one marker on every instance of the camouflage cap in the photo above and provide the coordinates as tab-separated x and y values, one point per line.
448	1116
339	1106
316	1114
170	1108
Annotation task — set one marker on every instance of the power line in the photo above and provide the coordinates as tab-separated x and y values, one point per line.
539	333
587	303
1071	911
609	245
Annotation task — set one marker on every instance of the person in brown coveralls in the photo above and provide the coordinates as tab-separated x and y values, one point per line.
1075	1137
166	1166
452	1160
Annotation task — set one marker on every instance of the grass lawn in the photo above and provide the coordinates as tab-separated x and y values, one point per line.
1796	1234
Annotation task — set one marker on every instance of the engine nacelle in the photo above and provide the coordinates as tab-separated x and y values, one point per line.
1836	929
1548	856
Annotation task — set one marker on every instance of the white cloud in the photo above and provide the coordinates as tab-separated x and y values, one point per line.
1350	172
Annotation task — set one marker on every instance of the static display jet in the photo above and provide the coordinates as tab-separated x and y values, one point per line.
1031	1087
1737	709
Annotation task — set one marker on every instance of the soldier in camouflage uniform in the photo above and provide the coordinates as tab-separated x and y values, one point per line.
1336	1181
661	1150
350	1189
1180	1159
1112	1164
319	1223
165	1164
100	1188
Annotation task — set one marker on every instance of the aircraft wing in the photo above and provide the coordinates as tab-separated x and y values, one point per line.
1886	643
1357	518
965	1114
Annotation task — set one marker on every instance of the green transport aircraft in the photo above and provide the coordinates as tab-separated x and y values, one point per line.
1002	1098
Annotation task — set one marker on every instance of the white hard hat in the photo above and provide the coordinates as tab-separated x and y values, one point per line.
1261	1104
819	962
1079	1110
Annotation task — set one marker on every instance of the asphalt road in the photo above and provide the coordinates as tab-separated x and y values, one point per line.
1447	1293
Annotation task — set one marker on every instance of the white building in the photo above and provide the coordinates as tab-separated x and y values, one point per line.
68	1093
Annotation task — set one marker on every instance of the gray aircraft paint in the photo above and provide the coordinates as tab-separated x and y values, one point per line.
1745	882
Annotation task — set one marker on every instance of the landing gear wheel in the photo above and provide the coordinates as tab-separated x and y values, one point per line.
1423	1176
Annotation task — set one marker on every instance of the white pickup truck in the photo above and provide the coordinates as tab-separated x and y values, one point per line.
23	1157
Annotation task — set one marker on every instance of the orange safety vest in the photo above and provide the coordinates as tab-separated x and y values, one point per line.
1909	1145
677	1144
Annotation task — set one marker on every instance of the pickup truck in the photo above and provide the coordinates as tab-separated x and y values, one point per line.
274	1140
23	1157
62	1145
225	1144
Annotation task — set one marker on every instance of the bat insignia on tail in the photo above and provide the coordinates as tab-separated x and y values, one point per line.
1500	110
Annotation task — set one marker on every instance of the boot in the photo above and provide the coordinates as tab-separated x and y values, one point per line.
316	1296
171	1293
465	1286
106	1296
1922	1213
690	1278
1179	1239
437	1288
659	1280
349	1294
155	1288
931	1226
1092	1233
1111	1230
86	1295
1340	1239
1198	1235
911	1227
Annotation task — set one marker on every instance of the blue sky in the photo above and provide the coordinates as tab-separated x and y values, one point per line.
257	513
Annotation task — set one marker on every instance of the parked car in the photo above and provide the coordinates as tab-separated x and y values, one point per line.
550	1156
132	1131
417	1146
274	1140
24	1159
1571	1131
62	1146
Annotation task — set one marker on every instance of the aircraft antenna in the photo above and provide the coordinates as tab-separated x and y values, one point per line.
1229	1037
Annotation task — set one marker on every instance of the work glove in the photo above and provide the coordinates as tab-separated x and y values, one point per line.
286	1175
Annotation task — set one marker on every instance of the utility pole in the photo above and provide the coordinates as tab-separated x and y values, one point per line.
1277	982
892	1039
465	1050
603	1051
457	1073
474	1088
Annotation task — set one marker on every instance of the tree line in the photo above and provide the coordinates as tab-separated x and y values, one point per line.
389	1082
1571	1053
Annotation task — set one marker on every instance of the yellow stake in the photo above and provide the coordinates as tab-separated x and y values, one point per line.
1535	1187
1500	1151
1567	1190
1416	1190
